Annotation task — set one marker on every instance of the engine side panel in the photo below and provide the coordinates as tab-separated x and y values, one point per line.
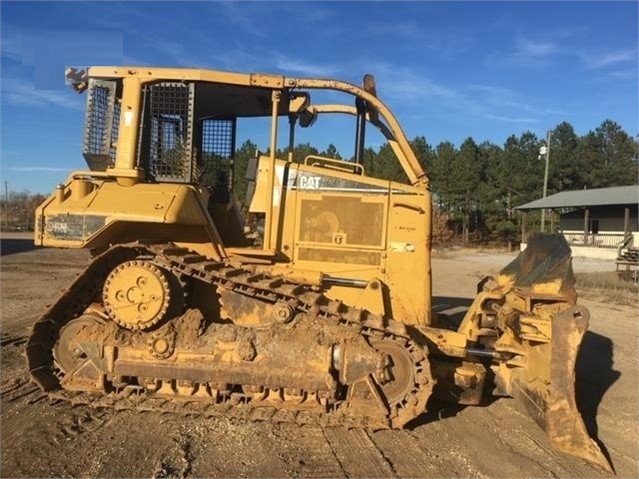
97	213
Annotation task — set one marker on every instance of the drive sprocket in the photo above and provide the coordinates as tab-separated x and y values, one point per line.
138	294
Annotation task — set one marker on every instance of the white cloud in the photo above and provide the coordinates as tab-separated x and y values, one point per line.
491	102
11	43
263	19
528	53
406	84
536	48
558	46
305	68
511	119
246	17
270	61
493	91
23	93
610	58
623	74
498	97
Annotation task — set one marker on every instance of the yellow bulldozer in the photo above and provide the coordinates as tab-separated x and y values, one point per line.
313	304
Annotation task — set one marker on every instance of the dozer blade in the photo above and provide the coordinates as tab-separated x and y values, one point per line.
564	425
543	273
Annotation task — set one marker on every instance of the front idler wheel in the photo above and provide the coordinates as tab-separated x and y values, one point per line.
74	353
396	380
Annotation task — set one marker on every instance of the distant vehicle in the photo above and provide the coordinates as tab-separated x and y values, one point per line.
13	228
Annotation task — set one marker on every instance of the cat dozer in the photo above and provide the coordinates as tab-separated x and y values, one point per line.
310	305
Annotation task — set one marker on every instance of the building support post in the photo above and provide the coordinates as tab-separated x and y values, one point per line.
586	222
626	221
6	205
547	155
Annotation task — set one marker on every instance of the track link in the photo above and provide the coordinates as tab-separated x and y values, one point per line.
243	280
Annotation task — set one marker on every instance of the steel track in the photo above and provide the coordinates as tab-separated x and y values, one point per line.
243	280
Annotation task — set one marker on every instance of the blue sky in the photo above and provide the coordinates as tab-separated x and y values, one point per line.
448	70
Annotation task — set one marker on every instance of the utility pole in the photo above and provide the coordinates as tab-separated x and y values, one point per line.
546	152
6	205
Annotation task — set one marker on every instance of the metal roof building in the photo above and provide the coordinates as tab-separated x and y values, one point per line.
597	222
618	195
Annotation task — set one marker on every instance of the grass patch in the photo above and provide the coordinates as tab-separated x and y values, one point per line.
615	288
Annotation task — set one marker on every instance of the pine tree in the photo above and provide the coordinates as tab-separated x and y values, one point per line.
565	168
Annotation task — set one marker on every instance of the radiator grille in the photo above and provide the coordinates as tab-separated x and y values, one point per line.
341	220
327	255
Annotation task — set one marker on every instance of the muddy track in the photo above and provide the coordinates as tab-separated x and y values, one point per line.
303	299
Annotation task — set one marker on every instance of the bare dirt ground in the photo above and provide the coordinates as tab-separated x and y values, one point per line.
41	439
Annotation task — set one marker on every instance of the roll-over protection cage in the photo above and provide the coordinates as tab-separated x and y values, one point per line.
176	143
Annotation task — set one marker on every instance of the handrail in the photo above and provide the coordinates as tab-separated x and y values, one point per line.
598	240
623	243
334	164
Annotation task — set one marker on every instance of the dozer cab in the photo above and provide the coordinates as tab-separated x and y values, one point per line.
313	304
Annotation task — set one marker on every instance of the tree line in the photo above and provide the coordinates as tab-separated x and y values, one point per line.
17	210
477	186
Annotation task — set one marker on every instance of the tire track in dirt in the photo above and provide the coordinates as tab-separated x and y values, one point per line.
525	439
305	451
20	393
497	441
449	452
358	454
77	423
15	383
11	385
137	444
50	433
9	340
407	458
220	447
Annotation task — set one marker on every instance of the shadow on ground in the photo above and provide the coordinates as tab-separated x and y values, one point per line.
451	308
16	245
594	376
